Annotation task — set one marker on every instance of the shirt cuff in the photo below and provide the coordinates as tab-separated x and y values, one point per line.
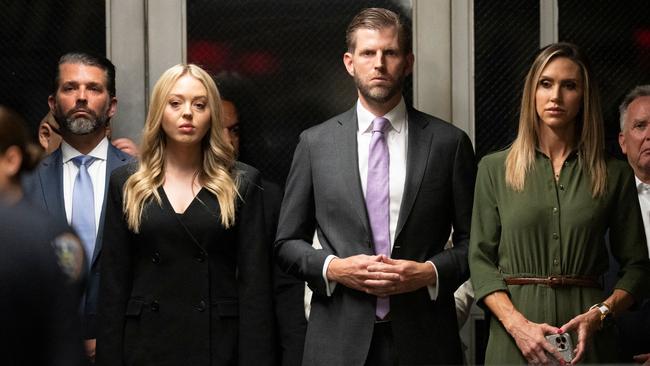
433	289
331	285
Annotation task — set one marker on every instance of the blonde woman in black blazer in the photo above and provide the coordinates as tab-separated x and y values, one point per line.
186	269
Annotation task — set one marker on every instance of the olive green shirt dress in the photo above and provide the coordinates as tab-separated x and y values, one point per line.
554	228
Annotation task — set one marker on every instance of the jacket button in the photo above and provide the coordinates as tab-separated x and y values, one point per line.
201	306
155	258
155	306
200	257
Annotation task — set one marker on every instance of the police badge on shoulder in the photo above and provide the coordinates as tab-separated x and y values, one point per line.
70	255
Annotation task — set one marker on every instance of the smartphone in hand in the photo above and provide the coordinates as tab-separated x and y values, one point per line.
562	342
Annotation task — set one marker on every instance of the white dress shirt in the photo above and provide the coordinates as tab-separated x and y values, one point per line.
397	141
96	170
643	190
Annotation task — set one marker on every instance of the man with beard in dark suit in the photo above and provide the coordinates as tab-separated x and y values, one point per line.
71	182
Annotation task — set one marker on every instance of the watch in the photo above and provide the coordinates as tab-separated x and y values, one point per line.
605	311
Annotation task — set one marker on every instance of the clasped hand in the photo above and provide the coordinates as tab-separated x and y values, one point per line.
379	275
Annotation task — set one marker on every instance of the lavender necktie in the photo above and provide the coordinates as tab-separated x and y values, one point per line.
377	197
83	205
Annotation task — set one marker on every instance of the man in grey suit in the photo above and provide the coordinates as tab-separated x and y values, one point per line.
383	184
83	103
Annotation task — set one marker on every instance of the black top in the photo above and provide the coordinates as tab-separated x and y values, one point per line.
186	290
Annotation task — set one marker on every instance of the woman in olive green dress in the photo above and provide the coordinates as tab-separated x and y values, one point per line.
542	211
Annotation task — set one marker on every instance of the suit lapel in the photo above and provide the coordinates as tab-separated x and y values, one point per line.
349	162
51	177
419	142
114	159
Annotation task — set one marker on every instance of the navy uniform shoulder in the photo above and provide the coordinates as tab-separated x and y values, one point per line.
25	213
64	247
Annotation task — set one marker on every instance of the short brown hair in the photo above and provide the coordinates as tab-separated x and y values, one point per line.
378	18
89	60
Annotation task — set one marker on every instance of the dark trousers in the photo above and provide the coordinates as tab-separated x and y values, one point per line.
382	347
634	332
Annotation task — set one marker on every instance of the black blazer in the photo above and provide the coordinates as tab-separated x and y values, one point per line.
186	291
44	188
324	193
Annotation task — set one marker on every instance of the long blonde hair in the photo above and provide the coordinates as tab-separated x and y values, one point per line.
589	123
217	174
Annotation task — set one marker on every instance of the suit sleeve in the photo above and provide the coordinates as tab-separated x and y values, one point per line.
627	239
297	224
256	324
451	264
115	280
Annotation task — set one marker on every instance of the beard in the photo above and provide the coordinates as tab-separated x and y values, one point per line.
80	125
379	94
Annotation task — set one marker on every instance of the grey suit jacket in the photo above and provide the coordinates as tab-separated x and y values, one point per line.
44	188
324	193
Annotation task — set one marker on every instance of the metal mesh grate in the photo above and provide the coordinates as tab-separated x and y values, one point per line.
288	58
616	37
506	38
34	35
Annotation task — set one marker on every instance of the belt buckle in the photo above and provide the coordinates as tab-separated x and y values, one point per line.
555	281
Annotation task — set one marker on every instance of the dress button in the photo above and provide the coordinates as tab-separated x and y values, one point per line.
155	258
201	306
155	306
554	210
555	236
561	187
556	262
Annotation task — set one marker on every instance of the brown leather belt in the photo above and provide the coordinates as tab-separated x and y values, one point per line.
555	281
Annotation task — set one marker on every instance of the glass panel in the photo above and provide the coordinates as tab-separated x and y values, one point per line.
34	35
506	38
616	37
287	59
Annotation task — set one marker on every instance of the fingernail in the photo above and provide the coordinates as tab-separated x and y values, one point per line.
560	331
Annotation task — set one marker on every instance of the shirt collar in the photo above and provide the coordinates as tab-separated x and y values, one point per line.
396	117
100	151
641	187
572	155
